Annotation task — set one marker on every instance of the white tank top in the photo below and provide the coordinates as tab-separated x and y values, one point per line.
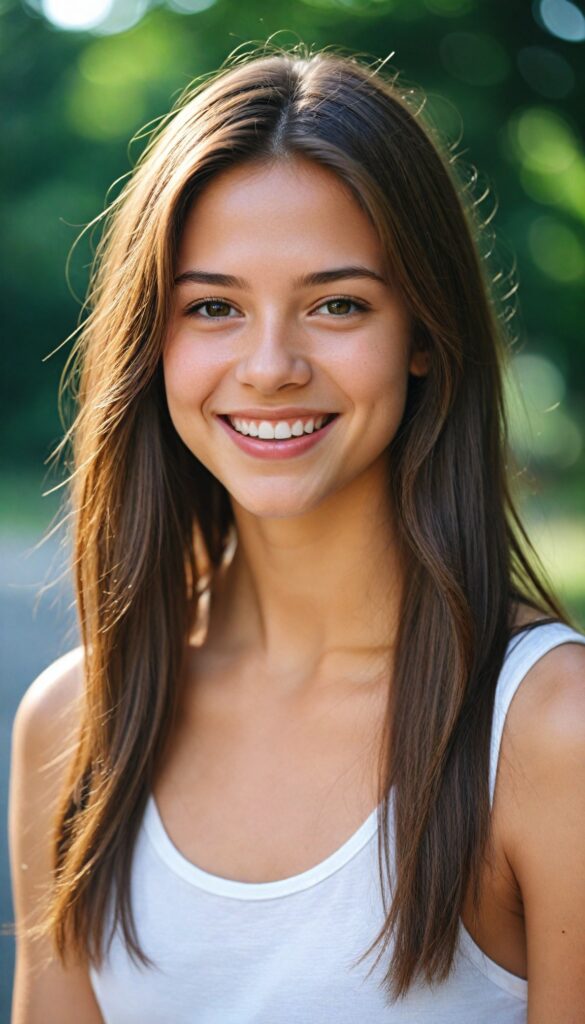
283	952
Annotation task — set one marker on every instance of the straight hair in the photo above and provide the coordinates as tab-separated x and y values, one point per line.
152	525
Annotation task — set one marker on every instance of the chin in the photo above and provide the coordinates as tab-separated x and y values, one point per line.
275	505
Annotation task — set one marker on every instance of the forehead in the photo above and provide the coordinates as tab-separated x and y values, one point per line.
286	214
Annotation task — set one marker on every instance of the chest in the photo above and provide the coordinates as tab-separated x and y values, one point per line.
261	790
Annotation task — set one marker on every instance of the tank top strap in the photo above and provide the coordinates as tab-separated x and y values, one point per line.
523	651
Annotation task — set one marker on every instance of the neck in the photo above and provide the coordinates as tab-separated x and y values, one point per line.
324	587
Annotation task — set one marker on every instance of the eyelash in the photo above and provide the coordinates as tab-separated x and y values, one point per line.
360	307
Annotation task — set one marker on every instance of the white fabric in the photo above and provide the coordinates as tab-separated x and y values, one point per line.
230	952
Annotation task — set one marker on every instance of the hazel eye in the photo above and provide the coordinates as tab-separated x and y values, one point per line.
341	307
215	309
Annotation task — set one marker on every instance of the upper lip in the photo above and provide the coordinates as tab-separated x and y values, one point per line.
287	412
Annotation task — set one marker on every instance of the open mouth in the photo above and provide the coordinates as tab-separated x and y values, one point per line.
265	430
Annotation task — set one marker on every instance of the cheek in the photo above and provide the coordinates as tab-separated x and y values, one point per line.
190	374
376	378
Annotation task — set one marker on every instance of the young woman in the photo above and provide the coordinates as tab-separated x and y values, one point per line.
292	774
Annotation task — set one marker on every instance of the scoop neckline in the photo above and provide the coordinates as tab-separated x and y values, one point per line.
218	885
231	888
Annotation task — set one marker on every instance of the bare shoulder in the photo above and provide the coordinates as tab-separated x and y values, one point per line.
546	721
44	735
43	740
549	705
53	698
541	788
543	741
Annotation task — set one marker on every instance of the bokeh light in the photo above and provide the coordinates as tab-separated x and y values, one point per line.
563	19
190	6
123	15
110	61
565	190
556	250
105	113
75	15
541	430
546	72
541	381
551	158
545	140
112	82
397	7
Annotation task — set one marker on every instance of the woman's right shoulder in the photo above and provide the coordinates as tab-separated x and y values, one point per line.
53	699
44	736
44	739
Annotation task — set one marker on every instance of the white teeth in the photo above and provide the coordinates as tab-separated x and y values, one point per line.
266	430
280	431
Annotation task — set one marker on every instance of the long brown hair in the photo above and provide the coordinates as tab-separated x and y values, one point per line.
151	523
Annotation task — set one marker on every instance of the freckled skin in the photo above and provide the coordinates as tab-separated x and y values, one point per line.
281	345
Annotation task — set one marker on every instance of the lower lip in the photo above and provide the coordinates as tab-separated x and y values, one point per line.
284	449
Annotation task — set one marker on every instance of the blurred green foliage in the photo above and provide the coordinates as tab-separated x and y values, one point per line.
502	78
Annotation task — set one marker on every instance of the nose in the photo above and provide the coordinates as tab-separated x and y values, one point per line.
272	359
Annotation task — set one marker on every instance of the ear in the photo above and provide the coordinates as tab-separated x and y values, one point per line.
420	362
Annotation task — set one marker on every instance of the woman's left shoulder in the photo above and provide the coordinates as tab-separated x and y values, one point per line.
547	715
542	787
551	697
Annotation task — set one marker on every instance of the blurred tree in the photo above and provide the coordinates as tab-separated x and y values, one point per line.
504	76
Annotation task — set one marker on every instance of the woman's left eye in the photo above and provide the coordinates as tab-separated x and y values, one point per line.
212	309
342	307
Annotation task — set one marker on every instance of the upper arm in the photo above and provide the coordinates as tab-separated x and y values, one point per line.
43	737
546	841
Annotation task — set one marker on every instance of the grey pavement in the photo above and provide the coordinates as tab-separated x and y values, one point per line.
37	624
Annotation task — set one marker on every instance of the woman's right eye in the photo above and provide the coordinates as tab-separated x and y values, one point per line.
212	309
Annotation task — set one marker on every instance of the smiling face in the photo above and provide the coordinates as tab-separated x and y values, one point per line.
282	314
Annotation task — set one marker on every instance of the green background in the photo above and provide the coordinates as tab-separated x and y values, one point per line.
504	77
496	75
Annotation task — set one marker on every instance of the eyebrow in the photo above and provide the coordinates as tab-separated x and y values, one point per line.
306	281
